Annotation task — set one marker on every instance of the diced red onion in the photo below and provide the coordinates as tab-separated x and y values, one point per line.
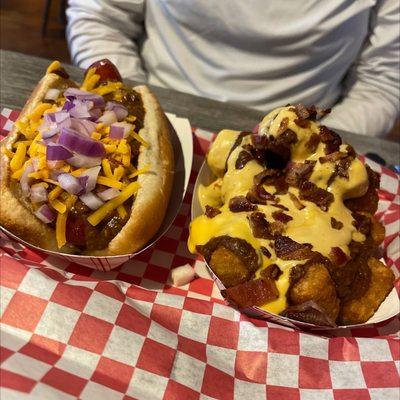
120	110
182	275
46	134
38	193
57	117
78	94
56	152
91	200
24	181
108	118
83	126
69	183
126	126
45	214
116	132
81	145
68	105
83	180
108	194
52	94
95	114
81	109
91	174
80	161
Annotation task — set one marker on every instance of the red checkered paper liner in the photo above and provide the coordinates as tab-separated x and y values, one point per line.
68	331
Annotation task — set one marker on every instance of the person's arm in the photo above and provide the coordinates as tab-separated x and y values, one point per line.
107	29
370	102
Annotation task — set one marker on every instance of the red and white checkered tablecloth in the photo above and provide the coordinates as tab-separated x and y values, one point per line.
68	331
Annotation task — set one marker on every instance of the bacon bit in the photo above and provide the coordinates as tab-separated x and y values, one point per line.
331	139
265	251
317	112
337	256
271	272
298	172
281	217
258	195
313	142
240	204
280	206
276	228
342	167
351	152
311	192
260	226
252	293
362	222
288	249
335	224
296	201
283	125
267	176
333	157
243	158
301	111
302	123
211	212
281	185
237	143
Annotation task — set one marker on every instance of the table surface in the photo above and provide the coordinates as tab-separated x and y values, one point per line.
20	73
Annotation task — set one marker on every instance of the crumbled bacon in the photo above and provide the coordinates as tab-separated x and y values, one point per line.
337	256
333	157
317	112
271	272
240	204
311	192
265	251
313	143
298	172
237	143
259	225
302	123
276	228
342	167
211	212
331	139
252	293
267	176
288	249
335	224
281	217
283	125
301	111
243	158
361	222
258	195
297	203
280	206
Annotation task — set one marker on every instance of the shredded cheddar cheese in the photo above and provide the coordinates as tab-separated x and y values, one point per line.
110	182
139	171
107	168
55	193
37	113
122	211
19	157
61	225
102	212
58	206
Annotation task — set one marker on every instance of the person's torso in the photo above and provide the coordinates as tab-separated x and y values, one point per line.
262	53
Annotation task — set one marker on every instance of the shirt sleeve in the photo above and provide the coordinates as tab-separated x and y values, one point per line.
370	103
107	29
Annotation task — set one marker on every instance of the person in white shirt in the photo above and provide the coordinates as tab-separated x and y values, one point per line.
342	54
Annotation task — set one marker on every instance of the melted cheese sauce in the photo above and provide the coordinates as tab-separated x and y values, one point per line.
309	225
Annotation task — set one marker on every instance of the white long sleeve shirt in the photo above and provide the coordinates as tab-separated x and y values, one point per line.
263	54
